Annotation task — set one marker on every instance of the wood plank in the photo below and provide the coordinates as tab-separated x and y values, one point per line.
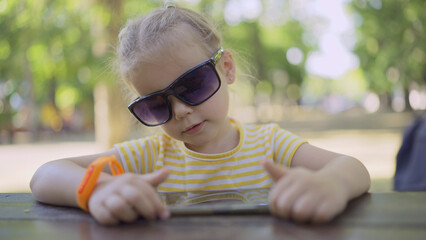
372	216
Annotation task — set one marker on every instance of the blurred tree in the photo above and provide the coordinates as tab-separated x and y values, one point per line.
54	55
111	118
391	44
264	43
279	41
49	43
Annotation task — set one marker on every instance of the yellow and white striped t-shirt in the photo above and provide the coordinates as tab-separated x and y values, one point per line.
191	171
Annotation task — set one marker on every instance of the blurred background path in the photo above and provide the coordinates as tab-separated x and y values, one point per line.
374	139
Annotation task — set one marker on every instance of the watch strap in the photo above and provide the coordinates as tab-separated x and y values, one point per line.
90	179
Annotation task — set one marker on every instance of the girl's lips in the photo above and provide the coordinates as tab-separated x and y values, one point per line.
194	128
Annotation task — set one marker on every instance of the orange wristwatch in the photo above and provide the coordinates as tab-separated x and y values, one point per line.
88	183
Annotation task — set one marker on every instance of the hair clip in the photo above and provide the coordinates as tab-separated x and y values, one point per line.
122	33
169	4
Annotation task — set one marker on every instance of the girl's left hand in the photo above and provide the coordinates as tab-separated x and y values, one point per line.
304	195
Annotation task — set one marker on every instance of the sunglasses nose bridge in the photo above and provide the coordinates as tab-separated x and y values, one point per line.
179	108
171	92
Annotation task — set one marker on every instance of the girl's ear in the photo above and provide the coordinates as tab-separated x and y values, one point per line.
228	66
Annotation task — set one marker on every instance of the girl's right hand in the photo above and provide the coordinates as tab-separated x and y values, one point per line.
126	197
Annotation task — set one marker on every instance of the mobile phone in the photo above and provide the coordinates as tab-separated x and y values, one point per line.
219	209
230	201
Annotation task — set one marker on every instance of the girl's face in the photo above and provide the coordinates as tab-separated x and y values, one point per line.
198	126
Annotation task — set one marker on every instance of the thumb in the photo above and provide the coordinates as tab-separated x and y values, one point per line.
156	178
275	170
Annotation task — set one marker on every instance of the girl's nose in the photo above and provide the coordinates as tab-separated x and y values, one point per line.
179	108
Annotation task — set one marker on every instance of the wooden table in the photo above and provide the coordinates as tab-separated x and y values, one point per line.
371	216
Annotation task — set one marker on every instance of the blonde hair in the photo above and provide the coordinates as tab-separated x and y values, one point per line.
143	36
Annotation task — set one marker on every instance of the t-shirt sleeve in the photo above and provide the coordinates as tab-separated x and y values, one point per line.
285	145
139	155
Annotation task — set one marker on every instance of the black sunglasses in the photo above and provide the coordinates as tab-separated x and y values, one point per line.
193	87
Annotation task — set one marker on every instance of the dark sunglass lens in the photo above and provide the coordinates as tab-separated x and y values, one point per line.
152	110
198	85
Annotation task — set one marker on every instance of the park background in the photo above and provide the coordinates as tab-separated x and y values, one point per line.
348	76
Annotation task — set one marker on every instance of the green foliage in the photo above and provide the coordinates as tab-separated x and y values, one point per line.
50	49
54	52
391	42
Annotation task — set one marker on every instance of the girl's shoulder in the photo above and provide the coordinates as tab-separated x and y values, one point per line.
268	131
261	128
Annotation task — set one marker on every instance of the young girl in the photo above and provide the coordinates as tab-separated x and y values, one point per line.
172	58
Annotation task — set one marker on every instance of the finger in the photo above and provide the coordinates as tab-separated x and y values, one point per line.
280	187
324	213
276	171
276	192
160	209
120	209
145	208
151	206
286	200
136	196
103	216
156	178
305	207
146	201
328	210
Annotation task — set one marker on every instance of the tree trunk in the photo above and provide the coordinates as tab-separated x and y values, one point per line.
33	119
408	107
385	102
257	51
112	120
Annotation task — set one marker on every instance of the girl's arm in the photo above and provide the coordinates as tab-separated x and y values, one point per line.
56	182
345	169
116	198
318	186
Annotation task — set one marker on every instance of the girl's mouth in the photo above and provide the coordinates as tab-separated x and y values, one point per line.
194	128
